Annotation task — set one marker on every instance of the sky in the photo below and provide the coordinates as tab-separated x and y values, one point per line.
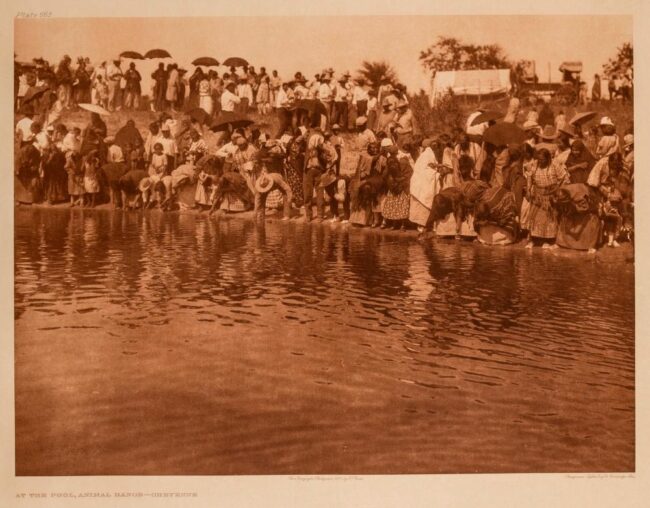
309	44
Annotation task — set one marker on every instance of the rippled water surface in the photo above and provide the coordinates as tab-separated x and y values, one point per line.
177	344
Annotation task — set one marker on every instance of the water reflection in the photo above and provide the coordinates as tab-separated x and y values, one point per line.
416	357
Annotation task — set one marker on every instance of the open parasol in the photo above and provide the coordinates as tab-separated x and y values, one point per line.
133	55
235	61
208	61
230	121
94	108
311	105
502	134
580	118
157	53
486	116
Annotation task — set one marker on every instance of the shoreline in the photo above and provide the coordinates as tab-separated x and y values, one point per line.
622	254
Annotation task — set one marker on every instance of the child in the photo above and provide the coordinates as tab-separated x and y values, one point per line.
337	142
101	88
75	178
91	181
157	169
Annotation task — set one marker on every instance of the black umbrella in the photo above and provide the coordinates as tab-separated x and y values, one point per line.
312	106
34	92
230	121
208	61
157	53
502	134
199	115
133	55
235	61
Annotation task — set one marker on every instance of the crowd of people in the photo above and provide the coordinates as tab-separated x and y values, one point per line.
560	186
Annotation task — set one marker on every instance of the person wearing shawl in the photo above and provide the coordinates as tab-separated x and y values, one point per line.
471	149
364	186
544	180
128	138
514	179
606	178
579	225
496	217
93	135
579	162
596	89
398	177
294	163
423	186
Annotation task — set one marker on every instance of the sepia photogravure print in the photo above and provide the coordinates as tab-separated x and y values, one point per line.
323	245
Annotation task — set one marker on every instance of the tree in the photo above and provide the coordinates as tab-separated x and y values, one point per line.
622	63
375	72
450	54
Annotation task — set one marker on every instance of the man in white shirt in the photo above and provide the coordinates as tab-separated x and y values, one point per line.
341	103
23	127
229	99
282	104
245	94
169	147
114	74
360	98
325	96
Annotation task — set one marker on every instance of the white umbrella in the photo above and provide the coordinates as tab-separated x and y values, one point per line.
94	108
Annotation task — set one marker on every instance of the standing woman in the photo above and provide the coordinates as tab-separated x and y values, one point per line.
205	95
171	94
396	204
544	179
293	169
93	135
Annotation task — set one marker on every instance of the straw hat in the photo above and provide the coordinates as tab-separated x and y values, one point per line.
362	120
145	184
606	121
548	133
401	104
386	142
569	130
264	184
530	125
628	140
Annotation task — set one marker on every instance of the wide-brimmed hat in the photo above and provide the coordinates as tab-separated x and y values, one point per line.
548	133
606	121
402	104
264	184
386	142
145	184
362	120
530	125
426	142
628	140
385	102
569	130
336	127
109	140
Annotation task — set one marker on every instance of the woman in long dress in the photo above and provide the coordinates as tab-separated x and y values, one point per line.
544	180
396	204
293	169
423	186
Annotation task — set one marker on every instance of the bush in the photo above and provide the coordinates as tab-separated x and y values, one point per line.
445	116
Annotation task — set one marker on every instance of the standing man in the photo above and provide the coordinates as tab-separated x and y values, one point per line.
159	77
282	105
133	90
365	135
405	127
114	73
325	96
276	86
340	115
595	89
229	99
